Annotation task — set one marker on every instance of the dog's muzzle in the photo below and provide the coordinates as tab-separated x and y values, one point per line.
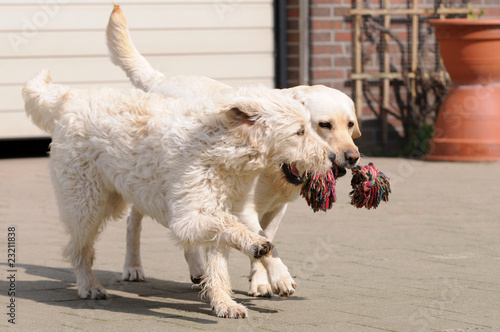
292	174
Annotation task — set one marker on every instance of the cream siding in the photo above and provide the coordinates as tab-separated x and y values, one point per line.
231	41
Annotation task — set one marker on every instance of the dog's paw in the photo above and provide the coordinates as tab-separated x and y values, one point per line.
262	290
230	311
284	287
263	249
133	273
93	293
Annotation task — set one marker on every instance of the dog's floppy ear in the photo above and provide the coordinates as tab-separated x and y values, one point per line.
299	93
355	132
242	119
240	115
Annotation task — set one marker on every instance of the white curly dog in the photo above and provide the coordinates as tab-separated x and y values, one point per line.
332	117
184	163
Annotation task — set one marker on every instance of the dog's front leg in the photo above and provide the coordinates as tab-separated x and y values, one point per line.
260	285
282	283
269	275
216	284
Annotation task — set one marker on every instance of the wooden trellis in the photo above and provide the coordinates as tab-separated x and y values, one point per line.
386	75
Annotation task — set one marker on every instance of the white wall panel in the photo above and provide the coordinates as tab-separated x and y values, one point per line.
230	41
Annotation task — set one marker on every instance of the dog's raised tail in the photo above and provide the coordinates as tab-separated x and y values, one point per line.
42	99
124	54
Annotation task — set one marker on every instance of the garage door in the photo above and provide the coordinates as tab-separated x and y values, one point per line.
231	41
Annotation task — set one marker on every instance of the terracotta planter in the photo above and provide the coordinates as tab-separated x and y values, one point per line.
468	124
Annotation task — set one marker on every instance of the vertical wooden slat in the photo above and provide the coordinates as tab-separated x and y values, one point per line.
385	81
414	50
358	75
358	67
304	42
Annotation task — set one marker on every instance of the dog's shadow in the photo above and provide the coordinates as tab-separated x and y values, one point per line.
149	298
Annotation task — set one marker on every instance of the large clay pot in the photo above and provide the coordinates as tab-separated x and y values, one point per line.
468	124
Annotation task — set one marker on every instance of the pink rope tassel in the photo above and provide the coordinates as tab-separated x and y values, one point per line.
319	190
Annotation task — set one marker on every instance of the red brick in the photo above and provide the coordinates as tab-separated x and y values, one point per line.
374	4
292	37
342	11
402	35
293	61
321	37
292	49
321	62
318	73
320	12
292	13
326	49
326	1
292	25
327	73
341	86
340	73
346	49
394	48
332	24
342	62
343	36
322	24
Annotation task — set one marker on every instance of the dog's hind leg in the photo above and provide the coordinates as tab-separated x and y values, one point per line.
193	258
217	287
132	269
84	207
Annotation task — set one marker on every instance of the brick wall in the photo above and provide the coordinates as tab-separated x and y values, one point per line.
331	57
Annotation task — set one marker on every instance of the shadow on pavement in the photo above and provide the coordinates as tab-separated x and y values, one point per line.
56	286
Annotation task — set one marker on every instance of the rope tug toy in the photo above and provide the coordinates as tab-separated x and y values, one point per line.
319	189
369	185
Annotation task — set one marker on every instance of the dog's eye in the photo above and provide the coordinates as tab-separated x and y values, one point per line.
301	132
326	125
350	124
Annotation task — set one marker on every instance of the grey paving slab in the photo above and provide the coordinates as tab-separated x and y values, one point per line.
429	260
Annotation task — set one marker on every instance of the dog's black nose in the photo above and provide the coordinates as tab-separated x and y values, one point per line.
351	156
332	157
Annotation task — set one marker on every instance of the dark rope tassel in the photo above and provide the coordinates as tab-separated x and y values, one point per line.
370	186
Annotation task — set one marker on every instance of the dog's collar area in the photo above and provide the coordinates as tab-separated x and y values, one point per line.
291	174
